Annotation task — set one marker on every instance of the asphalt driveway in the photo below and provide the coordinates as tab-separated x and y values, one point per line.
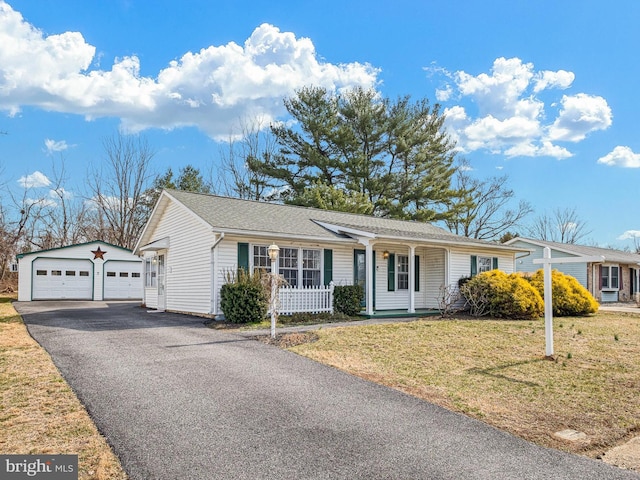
177	400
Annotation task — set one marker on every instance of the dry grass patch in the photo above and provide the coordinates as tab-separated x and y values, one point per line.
39	413
495	371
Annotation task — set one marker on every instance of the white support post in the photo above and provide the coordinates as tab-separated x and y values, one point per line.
412	279
369	274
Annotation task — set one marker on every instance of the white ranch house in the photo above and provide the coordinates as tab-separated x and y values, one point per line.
616	279
191	240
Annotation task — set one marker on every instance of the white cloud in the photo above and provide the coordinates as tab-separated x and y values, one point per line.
548	79
580	115
444	94
621	157
208	89
52	146
35	180
629	235
60	192
511	117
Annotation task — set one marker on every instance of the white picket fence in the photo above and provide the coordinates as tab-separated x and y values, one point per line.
305	299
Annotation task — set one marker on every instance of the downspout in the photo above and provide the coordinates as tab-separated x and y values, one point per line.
214	277
447	267
515	260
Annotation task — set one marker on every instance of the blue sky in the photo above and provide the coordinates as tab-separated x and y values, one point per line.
544	92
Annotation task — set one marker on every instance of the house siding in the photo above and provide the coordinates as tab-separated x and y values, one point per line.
525	263
434	268
460	262
187	262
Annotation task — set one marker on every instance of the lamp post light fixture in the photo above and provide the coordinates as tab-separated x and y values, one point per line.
273	251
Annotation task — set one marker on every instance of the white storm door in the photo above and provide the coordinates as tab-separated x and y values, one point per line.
161	283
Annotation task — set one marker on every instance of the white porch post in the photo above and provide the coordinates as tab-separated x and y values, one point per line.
369	274
412	279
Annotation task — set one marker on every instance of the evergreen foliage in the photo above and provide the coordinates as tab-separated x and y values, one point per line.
243	299
347	299
390	157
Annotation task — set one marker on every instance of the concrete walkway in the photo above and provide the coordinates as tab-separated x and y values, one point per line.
627	307
177	400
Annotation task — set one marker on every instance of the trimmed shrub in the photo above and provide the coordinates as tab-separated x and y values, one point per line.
347	299
570	298
243	298
502	296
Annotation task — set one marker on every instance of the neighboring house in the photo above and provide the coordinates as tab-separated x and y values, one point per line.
191	240
616	279
88	271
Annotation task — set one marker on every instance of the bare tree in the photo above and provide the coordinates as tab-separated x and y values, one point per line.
483	211
20	217
255	144
563	226
117	189
64	215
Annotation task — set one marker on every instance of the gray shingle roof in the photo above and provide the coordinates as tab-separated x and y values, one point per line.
238	215
610	255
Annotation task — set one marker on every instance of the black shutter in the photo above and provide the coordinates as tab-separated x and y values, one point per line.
391	272
417	274
328	266
243	256
474	265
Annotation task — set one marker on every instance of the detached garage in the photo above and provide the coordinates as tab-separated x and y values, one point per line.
88	271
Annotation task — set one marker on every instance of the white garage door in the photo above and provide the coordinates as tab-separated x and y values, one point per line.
56	278
123	280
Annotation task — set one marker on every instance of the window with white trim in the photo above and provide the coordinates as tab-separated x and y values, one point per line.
306	273
150	272
261	259
310	268
610	276
288	265
485	264
403	272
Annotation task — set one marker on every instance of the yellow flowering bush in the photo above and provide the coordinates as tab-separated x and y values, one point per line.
570	298
500	295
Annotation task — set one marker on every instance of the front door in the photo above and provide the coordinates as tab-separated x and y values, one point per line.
161	283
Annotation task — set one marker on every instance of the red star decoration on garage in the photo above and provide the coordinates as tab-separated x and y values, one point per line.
98	254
